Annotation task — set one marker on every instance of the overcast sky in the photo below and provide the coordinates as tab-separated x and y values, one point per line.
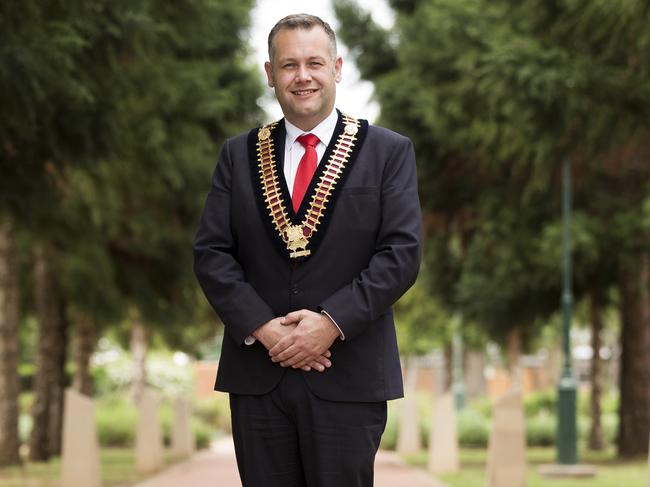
353	95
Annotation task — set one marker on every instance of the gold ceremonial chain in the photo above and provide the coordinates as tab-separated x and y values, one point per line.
296	237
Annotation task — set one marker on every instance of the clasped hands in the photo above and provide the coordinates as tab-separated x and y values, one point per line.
300	340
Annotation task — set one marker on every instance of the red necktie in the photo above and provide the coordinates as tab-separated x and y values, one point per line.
306	169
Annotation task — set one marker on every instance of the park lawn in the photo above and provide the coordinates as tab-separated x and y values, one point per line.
610	471
117	466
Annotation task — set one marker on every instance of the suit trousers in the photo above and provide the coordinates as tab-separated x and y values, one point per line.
289	437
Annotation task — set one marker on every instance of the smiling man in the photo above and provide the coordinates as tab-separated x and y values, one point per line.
309	234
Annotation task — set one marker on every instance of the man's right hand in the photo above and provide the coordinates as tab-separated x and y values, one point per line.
273	331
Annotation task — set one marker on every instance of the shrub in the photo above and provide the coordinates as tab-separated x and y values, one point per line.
389	438
541	430
202	433
610	427
473	422
473	428
425	416
482	405
103	383
116	421
25	423
610	402
214	411
540	402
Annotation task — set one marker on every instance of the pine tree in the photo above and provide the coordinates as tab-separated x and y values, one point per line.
495	95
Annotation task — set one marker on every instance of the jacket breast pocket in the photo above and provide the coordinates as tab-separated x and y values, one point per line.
361	208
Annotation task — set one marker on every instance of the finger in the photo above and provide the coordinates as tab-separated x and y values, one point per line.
298	359
294	317
284	321
312	361
287	354
281	346
323	361
327	354
315	366
310	366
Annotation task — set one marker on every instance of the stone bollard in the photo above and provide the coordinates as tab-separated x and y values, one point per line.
80	465
408	433
443	439
181	435
148	438
506	465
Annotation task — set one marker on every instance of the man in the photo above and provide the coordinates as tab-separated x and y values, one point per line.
310	232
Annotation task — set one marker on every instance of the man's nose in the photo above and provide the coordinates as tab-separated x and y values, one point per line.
303	73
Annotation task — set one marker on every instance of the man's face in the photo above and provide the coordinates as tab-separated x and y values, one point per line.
304	75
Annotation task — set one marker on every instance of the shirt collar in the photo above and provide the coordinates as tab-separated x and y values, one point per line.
323	130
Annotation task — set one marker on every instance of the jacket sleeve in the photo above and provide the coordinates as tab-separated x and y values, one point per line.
216	267
395	263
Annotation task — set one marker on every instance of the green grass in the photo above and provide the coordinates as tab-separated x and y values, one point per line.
117	467
610	471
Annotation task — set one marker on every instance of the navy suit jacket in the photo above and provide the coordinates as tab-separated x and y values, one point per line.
365	256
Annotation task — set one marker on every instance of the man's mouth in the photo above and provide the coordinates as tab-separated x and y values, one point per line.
303	92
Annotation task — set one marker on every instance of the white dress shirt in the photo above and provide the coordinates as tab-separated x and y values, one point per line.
294	150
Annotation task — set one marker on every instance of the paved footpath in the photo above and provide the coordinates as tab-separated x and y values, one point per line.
217	466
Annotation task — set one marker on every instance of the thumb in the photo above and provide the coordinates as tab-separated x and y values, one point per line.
292	318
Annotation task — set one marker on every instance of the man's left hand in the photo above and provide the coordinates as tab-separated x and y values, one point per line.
313	336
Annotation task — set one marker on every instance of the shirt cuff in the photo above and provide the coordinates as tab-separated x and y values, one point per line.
341	335
249	340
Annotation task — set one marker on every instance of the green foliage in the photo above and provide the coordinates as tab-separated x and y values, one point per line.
114	373
422	323
116	418
495	95
214	411
473	429
543	402
389	438
541	430
114	112
610	427
372	49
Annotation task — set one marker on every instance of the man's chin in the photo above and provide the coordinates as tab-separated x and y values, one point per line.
304	114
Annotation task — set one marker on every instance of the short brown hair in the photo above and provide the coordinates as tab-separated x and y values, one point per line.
301	21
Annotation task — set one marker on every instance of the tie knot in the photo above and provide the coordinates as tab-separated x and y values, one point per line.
308	140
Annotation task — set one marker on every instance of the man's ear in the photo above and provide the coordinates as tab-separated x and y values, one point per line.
338	63
269	73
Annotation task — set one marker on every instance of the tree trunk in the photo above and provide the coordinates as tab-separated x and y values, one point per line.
513	353
449	367
596	440
139	349
59	379
634	412
84	348
9	384
49	381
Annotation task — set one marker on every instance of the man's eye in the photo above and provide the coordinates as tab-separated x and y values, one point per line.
289	65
